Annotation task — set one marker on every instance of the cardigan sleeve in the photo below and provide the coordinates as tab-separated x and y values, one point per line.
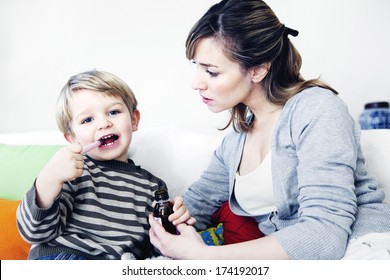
326	142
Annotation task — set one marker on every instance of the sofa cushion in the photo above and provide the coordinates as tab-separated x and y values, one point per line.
12	246
19	166
175	155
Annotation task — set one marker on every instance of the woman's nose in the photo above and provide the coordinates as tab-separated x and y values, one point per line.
198	83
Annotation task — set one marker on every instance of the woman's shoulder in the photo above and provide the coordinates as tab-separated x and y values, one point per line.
316	95
316	100
315	106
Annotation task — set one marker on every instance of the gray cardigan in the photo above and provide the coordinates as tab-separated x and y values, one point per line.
322	191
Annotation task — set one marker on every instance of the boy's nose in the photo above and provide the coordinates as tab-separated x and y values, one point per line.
105	123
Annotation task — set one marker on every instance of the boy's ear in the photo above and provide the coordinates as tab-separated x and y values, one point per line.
135	119
259	72
69	138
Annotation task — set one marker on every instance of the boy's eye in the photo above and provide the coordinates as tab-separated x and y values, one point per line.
86	120
113	112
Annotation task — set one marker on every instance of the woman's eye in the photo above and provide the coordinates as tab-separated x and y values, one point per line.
86	120
212	74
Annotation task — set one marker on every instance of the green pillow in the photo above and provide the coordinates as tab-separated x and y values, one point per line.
20	165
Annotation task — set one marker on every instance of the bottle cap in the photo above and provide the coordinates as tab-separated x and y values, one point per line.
374	105
161	194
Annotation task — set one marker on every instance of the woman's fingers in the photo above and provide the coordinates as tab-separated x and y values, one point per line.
181	227
178	202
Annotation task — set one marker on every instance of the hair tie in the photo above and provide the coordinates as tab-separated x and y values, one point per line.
289	31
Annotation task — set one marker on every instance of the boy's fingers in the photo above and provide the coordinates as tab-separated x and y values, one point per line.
76	148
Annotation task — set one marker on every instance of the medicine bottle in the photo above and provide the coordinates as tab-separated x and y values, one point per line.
163	209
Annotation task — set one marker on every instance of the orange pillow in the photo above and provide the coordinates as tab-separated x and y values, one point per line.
12	246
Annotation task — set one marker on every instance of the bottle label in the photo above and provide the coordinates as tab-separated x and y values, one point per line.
158	220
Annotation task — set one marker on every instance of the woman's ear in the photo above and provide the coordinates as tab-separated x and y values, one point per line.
259	72
135	119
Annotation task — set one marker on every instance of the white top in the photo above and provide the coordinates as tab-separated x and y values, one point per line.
254	191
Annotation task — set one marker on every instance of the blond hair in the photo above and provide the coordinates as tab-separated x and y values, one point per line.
94	80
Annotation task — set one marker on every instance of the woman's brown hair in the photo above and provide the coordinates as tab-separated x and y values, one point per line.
250	34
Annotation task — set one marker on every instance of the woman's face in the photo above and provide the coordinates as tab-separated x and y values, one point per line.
221	82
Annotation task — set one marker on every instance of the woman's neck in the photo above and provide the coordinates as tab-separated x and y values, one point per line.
265	114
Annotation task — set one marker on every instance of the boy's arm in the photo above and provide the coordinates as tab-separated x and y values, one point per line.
38	216
65	165
37	225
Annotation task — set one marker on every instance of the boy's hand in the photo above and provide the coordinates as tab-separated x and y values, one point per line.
181	213
65	165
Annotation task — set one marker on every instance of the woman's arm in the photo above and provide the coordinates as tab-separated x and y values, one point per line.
324	148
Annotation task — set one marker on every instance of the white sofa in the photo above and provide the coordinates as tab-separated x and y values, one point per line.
179	156
175	155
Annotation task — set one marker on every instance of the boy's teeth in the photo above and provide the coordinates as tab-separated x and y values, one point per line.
108	140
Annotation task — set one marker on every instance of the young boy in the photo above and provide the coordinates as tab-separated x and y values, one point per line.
91	204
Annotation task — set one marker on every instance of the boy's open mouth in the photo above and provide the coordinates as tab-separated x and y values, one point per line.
108	140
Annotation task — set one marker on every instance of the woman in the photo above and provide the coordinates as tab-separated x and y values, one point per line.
293	161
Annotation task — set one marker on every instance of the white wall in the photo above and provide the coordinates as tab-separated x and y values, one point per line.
43	42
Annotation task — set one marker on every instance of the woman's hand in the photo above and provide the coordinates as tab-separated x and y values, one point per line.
187	245
181	213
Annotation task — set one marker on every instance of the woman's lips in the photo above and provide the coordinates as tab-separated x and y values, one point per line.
206	100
